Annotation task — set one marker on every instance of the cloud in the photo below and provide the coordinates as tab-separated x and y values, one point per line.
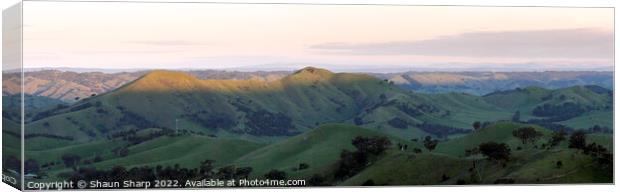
560	43
169	43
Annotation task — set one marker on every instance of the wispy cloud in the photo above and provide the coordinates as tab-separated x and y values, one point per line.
560	43
170	43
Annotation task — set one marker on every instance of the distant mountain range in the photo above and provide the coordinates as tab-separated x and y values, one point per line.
307	98
68	85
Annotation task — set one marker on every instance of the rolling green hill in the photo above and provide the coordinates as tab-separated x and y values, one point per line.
447	164
319	148
259	110
168	118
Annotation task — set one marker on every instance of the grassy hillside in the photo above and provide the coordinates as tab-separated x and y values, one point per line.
499	132
319	148
309	117
447	164
261	110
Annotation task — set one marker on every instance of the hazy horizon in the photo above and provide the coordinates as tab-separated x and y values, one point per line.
343	37
266	68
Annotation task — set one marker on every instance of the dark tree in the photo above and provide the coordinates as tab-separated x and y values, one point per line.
577	140
372	145
557	137
430	143
558	164
495	151
70	160
206	168
369	182
317	180
527	134
398	123
97	159
123	152
476	125
227	172
275	174
303	166
243	172
350	163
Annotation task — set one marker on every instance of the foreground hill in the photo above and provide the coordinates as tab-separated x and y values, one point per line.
529	163
319	148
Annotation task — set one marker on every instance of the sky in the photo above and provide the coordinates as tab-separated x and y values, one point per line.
339	37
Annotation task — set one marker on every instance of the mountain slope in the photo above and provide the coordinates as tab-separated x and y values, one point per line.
319	148
258	108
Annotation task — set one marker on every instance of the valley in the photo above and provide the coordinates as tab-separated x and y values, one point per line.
327	128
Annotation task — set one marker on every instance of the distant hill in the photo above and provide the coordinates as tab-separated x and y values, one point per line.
480	83
67	85
592	104
259	109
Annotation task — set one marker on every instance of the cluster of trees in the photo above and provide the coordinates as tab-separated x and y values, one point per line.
430	143
441	130
81	107
206	170
47	135
577	140
559	112
265	123
416	110
351	163
131	118
398	123
599	129
527	134
134	139
49	113
495	151
213	120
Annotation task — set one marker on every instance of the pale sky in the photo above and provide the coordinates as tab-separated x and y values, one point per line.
219	36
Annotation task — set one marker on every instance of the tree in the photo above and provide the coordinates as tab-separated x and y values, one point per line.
557	137
123	152
227	172
303	166
527	134
275	174
495	151
206	168
70	160
243	172
430	143
476	125
577	140
372	145
351	163
317	180
558	164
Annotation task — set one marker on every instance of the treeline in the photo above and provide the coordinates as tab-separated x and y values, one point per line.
441	130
